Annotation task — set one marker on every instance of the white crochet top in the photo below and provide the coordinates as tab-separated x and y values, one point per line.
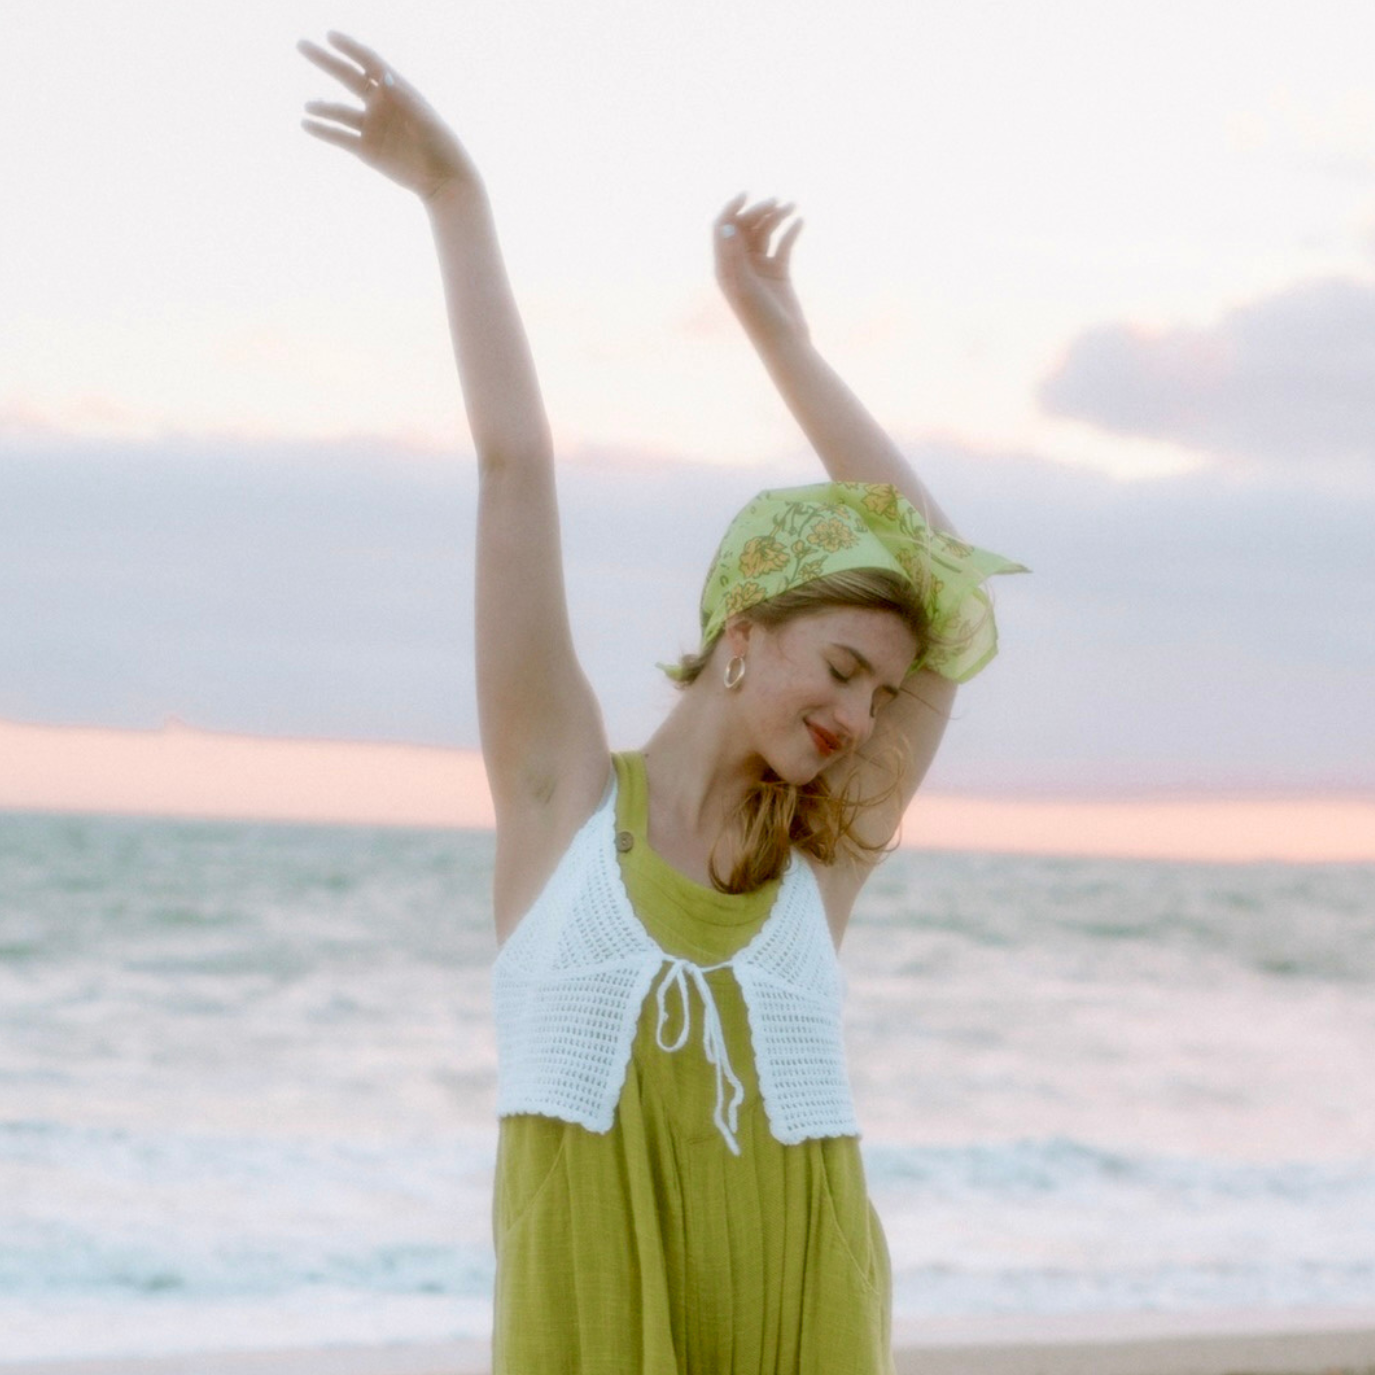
570	983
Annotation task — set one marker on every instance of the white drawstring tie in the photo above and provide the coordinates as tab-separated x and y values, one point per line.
727	1115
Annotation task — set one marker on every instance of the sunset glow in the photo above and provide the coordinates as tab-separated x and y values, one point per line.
185	773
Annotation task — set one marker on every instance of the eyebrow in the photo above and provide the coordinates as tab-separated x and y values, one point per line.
867	667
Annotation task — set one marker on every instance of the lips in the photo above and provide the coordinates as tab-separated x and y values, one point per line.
826	743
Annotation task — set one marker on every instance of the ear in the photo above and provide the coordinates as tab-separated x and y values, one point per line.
736	634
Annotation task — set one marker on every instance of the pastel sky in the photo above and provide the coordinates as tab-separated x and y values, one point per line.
1106	270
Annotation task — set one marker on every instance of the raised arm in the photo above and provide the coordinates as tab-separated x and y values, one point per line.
753	268
542	736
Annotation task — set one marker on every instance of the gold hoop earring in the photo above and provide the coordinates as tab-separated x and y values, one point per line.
735	673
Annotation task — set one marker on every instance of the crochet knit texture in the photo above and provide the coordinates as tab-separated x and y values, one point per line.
570	983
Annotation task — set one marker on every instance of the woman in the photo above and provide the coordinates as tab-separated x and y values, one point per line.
679	1186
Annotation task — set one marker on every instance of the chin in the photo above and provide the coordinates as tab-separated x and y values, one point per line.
798	772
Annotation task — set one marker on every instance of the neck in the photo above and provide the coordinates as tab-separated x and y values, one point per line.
698	773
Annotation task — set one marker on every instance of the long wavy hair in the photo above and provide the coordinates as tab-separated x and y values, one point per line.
775	816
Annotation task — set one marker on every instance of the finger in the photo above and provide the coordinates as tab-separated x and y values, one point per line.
750	217
764	228
340	114
364	56
730	210
729	246
728	239
784	252
760	230
336	67
327	133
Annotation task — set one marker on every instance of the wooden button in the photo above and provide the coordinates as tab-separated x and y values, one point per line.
624	841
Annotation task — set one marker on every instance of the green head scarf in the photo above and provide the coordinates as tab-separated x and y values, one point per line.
786	538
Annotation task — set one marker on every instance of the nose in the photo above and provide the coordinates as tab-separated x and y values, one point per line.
853	716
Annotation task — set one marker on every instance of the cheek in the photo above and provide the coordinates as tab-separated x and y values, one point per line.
777	704
788	682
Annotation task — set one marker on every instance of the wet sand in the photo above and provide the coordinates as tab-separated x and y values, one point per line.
1331	1342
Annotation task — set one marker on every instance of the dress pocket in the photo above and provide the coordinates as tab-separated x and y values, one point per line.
855	1233
529	1155
848	1323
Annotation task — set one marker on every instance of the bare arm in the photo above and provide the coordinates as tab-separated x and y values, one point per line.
753	269
542	737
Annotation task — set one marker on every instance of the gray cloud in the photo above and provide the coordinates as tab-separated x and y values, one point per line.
1201	632
1289	379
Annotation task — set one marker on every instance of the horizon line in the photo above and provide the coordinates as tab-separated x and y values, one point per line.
1105	794
181	772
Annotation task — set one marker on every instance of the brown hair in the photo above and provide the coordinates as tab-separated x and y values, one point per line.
776	816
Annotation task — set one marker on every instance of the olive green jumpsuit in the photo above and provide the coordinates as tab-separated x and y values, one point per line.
651	1249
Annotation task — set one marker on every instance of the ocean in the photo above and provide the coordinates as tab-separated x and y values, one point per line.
247	1079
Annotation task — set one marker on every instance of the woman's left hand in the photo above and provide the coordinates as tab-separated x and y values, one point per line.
753	270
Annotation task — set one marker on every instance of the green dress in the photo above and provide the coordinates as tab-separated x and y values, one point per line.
651	1249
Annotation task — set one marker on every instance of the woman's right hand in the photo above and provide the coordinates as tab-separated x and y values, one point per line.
396	131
